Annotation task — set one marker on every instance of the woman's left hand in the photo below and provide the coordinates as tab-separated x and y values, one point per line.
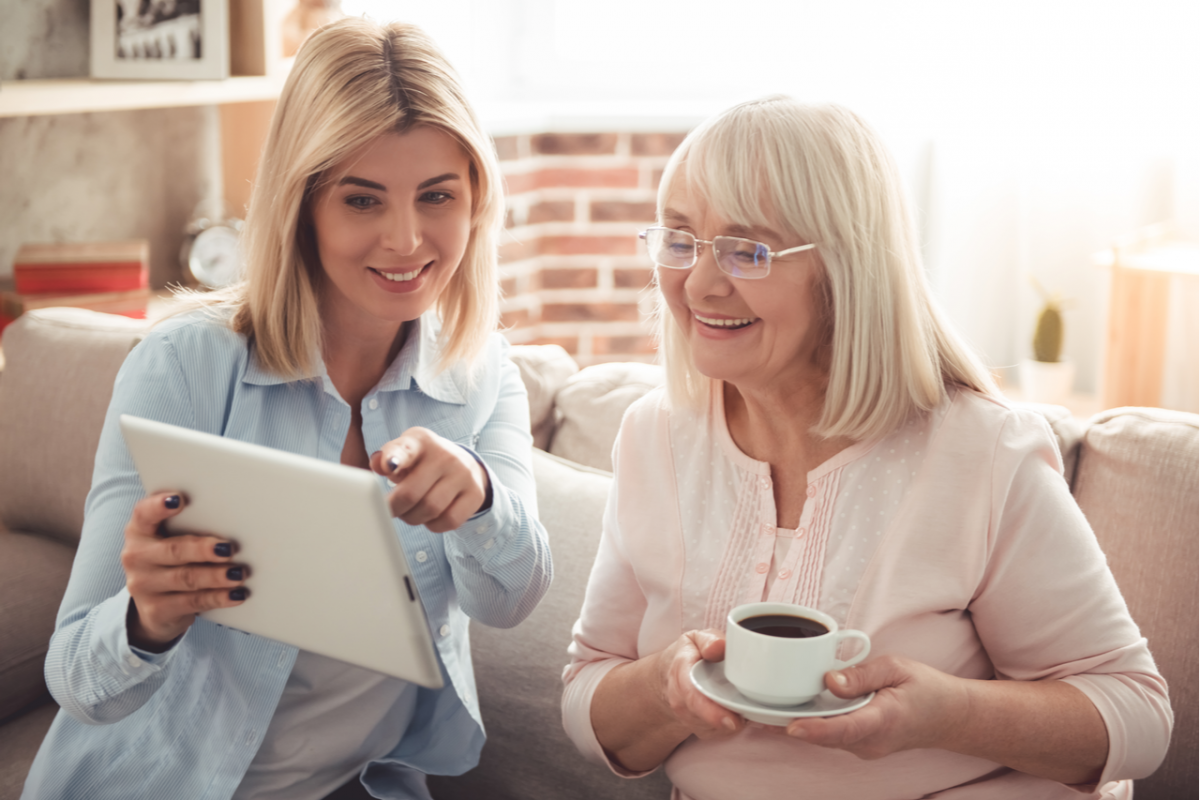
438	484
915	706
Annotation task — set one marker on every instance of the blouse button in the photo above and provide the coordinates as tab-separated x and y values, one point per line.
762	568
784	574
768	529
812	491
374	404
422	556
444	631
764	483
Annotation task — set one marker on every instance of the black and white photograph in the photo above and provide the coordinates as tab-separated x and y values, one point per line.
159	29
160	39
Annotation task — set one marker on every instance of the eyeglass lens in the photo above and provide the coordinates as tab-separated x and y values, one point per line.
741	258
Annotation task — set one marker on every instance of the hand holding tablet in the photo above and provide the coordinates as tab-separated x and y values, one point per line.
172	579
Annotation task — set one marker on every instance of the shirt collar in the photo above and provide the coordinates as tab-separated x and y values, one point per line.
415	366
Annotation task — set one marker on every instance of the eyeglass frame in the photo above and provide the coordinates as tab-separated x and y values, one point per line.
713	242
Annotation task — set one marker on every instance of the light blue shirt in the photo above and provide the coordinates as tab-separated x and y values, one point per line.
186	723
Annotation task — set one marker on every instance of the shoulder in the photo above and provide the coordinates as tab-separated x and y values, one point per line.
204	330
991	425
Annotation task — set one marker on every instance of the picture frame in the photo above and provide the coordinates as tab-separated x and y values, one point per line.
160	40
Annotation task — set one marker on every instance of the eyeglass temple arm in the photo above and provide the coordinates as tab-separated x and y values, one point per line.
791	250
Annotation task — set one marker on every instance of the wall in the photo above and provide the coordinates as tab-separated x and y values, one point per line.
574	273
120	175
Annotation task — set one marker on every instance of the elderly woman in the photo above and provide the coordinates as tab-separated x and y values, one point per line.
826	439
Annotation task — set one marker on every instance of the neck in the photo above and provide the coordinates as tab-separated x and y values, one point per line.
358	352
776	425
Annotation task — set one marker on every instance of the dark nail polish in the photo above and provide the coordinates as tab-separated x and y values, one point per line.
234	573
222	549
171	501
238	593
393	464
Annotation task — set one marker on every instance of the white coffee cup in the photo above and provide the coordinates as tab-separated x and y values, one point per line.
780	670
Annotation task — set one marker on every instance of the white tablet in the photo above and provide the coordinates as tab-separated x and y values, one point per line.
327	573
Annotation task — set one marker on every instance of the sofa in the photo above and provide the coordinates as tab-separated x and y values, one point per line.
1133	472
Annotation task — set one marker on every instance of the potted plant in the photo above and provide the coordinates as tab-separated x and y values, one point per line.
1047	377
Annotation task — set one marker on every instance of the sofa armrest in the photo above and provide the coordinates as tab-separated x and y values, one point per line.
1138	483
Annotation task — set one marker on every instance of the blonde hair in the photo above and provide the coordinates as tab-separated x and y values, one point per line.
830	180
353	81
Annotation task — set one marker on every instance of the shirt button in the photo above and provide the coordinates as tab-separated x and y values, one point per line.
761	569
133	661
784	574
812	491
488	544
764	483
374	404
768	529
800	532
422	556
444	631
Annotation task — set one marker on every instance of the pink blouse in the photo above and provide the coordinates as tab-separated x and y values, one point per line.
953	541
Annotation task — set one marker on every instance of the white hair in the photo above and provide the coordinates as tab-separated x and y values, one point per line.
829	180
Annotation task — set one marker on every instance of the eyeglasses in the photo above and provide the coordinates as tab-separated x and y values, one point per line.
737	257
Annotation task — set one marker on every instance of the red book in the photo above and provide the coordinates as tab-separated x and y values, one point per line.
82	267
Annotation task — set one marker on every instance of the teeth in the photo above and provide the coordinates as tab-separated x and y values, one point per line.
401	276
724	323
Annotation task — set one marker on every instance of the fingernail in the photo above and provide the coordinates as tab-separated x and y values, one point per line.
729	723
239	593
797	733
393	463
840	679
171	501
222	549
234	573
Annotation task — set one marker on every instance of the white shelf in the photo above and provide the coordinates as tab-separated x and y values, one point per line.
83	95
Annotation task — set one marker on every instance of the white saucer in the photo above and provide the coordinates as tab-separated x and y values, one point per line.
709	678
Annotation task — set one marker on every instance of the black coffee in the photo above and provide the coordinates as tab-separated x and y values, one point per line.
784	626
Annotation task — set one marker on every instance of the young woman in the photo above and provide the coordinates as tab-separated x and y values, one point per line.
826	439
363	333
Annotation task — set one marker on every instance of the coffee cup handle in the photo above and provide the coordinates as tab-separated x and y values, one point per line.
863	651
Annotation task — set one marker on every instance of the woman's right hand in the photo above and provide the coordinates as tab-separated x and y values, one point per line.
171	579
691	709
644	709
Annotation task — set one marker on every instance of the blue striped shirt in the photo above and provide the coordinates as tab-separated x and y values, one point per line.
185	724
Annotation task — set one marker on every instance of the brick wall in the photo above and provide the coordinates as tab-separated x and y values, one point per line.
573	270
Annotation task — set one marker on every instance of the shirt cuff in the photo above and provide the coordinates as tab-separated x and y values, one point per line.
577	714
128	665
485	535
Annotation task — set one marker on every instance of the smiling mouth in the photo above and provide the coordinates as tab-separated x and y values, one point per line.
727	324
399	277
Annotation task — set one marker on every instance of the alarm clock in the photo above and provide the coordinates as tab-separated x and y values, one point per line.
211	254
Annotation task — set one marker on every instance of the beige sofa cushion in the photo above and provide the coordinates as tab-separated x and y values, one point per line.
1137	482
590	406
54	392
544	368
519	671
33	577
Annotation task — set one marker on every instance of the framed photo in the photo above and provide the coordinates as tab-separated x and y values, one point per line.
160	39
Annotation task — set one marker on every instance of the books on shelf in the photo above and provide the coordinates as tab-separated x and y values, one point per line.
78	268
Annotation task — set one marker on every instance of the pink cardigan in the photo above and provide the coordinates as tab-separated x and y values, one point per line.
953	541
